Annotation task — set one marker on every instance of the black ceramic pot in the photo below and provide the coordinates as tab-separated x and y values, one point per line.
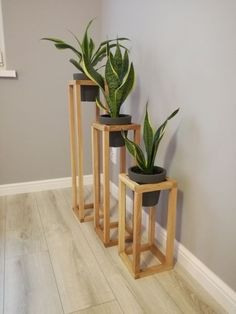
88	93
149	198
116	139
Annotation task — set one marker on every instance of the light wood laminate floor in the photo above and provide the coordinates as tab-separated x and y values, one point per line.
51	264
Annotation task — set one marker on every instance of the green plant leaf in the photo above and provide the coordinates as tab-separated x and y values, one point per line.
91	47
154	152
148	136
161	129
76	38
117	60
101	106
123	91
92	73
112	81
55	40
86	42
60	44
136	152
111	76
100	54
104	43
158	137
125	65
77	65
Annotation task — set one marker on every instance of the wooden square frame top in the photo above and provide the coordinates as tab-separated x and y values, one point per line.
167	260
77	147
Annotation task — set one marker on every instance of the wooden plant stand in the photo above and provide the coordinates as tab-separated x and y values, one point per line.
77	151
103	230
167	260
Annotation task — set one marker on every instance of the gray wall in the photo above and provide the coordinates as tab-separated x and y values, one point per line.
34	132
185	55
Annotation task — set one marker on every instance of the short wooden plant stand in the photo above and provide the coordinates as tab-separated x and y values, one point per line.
77	150
167	260
102	211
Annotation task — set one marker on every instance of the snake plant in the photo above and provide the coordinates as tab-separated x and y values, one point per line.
86	49
152	138
118	81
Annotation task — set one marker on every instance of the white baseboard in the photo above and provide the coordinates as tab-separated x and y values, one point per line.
216	287
42	185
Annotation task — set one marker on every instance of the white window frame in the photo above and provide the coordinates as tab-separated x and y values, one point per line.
3	67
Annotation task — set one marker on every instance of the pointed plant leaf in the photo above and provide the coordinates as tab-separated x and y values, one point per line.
136	152
92	73
159	135
100	105
125	65
148	136
86	42
161	129
91	46
55	40
60	44
77	65
118	60
123	91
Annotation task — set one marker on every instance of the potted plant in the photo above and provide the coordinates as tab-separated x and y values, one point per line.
115	87
145	171
86	49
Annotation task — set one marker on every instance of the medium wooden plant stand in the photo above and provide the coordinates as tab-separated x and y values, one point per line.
167	260
103	210
77	149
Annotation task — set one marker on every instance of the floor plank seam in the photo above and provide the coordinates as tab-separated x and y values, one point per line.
96	260
44	235
93	306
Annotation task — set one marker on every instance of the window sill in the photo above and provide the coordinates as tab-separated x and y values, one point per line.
7	73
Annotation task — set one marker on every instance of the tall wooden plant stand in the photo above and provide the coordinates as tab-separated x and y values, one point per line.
77	150
167	260
103	210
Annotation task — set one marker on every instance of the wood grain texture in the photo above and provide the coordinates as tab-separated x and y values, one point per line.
2	248
187	293
149	293
105	308
24	234
80	281
81	276
118	283
30	286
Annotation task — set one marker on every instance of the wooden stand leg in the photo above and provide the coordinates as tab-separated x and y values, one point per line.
151	227
73	146
80	151
122	210
137	232
171	221
122	159
96	175
137	136
106	186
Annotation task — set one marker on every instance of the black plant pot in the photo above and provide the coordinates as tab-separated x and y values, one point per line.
116	138
88	93
149	198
